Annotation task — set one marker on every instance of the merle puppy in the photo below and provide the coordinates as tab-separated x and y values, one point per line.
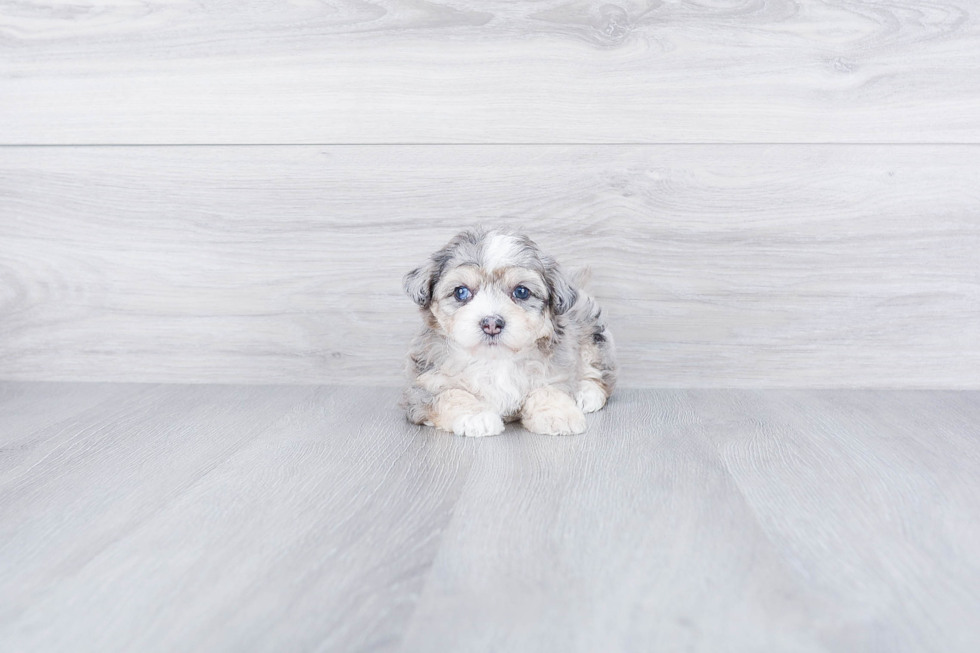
506	337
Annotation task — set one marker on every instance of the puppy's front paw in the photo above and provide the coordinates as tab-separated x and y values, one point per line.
478	425
555	420
590	397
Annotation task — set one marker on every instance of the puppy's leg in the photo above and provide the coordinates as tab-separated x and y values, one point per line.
598	375
550	411
590	396
463	414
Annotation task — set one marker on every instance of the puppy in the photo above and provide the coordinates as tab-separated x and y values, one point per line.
506	337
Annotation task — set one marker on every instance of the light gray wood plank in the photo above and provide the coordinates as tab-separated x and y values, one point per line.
386	71
721	520
26	408
314	534
872	497
723	266
696	520
633	537
39	420
83	485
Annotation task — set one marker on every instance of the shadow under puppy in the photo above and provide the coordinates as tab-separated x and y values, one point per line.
506	336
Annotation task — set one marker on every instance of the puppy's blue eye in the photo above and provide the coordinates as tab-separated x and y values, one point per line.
462	294
521	292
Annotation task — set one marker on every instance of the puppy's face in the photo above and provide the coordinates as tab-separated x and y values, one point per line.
491	292
479	306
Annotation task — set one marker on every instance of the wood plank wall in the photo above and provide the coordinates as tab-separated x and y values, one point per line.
769	194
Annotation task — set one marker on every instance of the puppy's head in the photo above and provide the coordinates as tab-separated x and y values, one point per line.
491	291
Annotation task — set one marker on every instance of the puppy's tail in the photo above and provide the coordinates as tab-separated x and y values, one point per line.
580	277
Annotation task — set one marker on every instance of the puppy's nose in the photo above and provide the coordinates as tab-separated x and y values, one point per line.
492	324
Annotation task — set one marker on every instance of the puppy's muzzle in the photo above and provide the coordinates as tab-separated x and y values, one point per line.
492	324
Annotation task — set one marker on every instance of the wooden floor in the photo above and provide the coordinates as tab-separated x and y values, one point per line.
314	518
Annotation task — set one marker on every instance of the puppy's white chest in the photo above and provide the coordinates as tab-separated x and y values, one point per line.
502	384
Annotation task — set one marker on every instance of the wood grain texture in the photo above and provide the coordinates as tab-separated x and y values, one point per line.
402	71
717	266
26	408
225	518
632	538
826	500
317	519
72	493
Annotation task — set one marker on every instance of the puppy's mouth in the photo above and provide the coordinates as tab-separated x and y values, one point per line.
492	344
491	341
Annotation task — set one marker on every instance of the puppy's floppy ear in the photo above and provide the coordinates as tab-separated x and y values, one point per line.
562	294
418	284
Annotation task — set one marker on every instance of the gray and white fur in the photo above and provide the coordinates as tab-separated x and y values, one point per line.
506	336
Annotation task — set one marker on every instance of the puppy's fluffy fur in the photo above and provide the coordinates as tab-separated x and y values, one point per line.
506	336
